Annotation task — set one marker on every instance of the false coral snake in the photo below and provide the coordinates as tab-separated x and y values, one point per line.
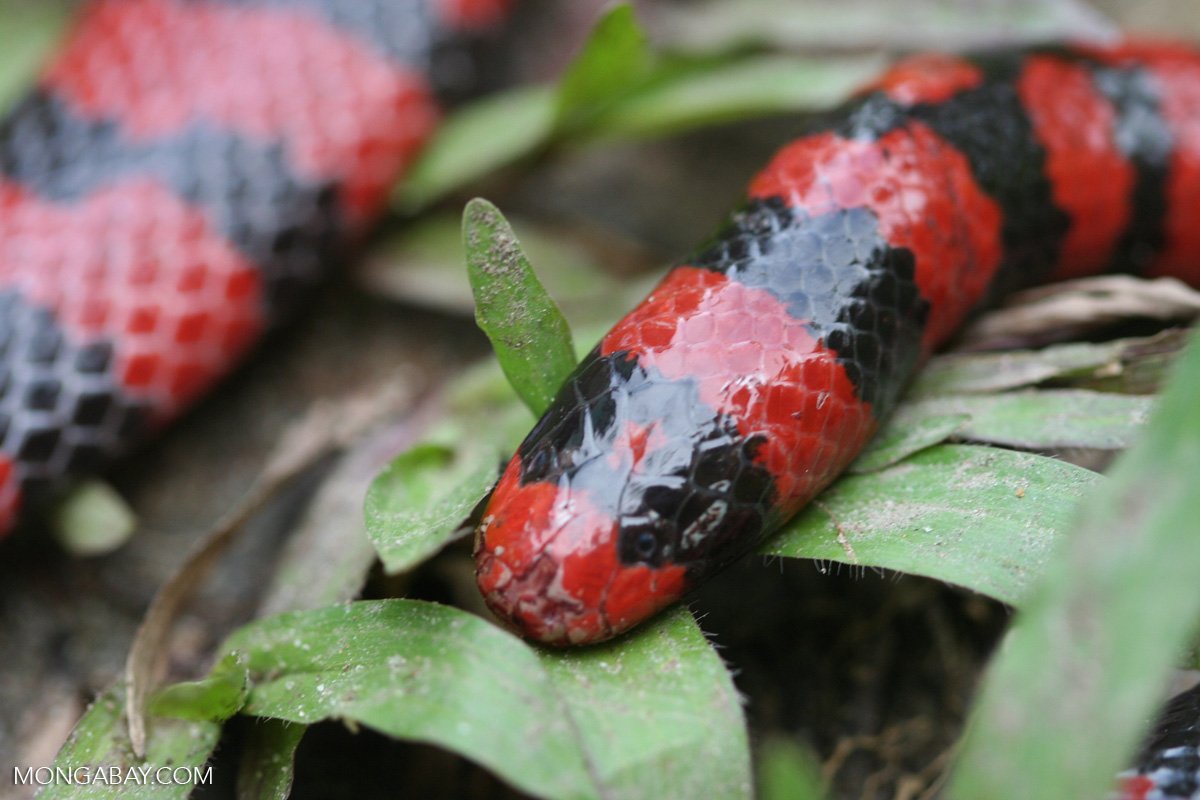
185	169
760	365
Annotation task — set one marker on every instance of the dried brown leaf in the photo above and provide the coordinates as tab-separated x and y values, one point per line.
1068	310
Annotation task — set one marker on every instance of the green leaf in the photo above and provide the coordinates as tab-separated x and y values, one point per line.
422	672
216	697
619	87
1042	420
100	743
657	713
268	760
786	771
551	724
30	29
1083	667
478	140
904	434
615	59
415	506
529	334
507	127
912	26
978	517
695	94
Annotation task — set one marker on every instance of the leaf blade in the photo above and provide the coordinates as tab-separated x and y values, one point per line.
100	741
528	332
267	766
422	672
477	140
615	58
551	723
417	504
676	99
911	518
214	698
1042	420
1082	668
657	713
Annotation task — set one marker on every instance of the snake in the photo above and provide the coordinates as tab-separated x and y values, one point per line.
180	177
758	367
184	172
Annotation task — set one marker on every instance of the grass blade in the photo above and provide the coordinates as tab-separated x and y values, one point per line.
1083	667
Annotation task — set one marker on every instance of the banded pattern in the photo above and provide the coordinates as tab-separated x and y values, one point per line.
757	369
1169	765
182	174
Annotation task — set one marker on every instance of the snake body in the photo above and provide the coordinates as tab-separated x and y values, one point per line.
760	365
181	175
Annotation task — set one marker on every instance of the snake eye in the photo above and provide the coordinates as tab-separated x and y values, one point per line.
645	545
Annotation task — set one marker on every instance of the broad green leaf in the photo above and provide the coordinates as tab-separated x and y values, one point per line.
268	759
904	434
507	127
422	672
657	712
1079	674
216	697
555	725
99	749
529	334
977	517
478	140
416	506
1043	420
615	59
786	771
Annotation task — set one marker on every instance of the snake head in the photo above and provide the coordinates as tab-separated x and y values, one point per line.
550	563
616	503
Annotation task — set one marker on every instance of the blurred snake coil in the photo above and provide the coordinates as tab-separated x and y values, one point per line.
180	177
184	171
